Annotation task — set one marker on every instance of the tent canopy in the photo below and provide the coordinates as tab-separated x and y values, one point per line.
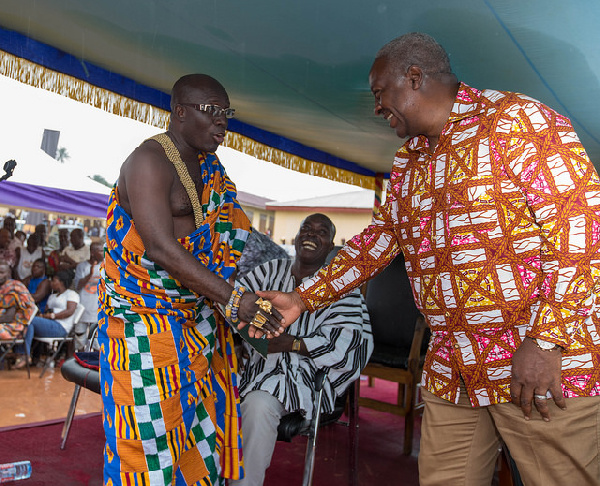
297	72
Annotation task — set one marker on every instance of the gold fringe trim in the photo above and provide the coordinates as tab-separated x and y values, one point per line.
73	88
378	192
289	161
38	76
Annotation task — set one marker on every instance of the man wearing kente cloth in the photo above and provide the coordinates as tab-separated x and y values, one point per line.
174	233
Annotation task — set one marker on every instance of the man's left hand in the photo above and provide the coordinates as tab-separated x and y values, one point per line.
281	344
535	372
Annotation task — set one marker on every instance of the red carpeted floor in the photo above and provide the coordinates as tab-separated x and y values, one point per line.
380	459
79	464
380	444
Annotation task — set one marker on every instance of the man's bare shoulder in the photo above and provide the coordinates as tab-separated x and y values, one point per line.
146	171
149	156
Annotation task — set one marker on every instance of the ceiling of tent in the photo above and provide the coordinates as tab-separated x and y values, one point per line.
299	69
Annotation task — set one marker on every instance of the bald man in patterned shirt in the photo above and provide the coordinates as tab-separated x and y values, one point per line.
496	207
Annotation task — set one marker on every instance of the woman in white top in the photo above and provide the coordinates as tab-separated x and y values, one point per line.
57	321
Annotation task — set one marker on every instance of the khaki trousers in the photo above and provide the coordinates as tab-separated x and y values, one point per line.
460	444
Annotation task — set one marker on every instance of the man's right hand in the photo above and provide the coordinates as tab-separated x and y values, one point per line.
289	305
248	308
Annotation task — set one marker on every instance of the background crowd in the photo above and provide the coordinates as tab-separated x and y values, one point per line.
41	286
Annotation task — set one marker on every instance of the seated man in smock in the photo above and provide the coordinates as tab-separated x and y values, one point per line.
337	337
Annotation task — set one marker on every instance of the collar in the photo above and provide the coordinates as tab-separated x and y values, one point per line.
292	260
466	104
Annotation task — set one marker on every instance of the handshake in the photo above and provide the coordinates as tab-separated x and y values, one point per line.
269	314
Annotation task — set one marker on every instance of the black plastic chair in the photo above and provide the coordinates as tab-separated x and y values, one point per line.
400	336
84	377
88	378
294	423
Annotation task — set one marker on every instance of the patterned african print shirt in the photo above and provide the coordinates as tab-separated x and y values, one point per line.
337	337
14	294
500	228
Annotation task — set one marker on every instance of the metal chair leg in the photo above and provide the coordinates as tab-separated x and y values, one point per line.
311	445
67	426
4	349
51	360
353	395
309	458
8	347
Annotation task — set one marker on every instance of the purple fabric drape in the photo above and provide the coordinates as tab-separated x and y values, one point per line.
49	199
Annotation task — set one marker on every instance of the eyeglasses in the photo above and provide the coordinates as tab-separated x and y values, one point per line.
213	110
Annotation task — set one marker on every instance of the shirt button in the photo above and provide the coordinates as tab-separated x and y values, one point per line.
447	314
457	346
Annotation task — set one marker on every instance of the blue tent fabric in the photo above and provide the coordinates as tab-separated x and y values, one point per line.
53	200
297	72
57	60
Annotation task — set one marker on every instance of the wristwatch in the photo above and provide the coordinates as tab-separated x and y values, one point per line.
545	345
296	345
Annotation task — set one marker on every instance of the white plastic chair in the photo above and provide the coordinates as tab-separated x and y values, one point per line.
57	343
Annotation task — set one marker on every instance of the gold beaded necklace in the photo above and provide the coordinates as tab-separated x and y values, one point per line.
184	176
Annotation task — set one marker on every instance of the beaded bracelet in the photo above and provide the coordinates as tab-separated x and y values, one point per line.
236	305
232	307
229	304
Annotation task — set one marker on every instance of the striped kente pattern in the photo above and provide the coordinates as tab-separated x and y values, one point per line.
168	371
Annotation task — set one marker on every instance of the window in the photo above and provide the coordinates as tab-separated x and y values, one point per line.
271	224
262	223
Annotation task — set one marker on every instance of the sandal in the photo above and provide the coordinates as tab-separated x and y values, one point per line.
20	363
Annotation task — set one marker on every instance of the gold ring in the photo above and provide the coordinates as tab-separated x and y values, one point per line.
255	323
264	305
259	320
